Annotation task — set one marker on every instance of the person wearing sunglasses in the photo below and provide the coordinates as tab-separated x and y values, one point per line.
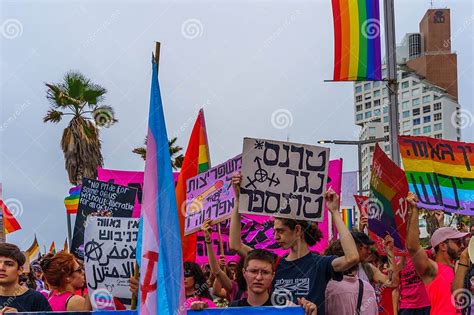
64	276
198	296
438	274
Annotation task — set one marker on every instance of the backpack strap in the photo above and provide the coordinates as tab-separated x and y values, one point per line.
359	296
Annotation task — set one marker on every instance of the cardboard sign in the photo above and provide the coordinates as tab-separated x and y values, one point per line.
210	195
387	207
440	173
100	199
109	257
283	179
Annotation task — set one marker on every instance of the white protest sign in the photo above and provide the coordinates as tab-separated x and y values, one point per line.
283	179
109	258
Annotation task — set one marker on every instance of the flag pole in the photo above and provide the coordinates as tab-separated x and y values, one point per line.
69	229
392	84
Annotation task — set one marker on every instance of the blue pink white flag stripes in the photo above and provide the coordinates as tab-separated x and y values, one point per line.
161	275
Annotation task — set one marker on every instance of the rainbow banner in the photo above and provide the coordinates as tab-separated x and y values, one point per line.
348	218
357	52
440	173
71	202
387	208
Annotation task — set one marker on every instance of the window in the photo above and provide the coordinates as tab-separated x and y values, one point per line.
405	84
385	119
416	131
358	88
406	114
437	126
359	98
416	121
384	72
406	125
414	82
377	103
372	131
385	129
366	86
426	119
376	84
416	102
358	108
368	105
437	106
371	149
359	116
377	112
416	111
384	91
377	93
405	95
439	136
368	114
367	96
426	99
415	92
426	109
385	110
405	105
427	129
387	148
437	116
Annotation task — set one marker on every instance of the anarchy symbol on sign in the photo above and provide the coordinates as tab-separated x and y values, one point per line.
93	250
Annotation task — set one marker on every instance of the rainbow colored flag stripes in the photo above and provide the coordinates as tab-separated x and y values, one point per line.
357	51
71	202
440	173
387	208
347	217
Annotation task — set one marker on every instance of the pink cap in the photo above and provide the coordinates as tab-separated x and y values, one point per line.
445	233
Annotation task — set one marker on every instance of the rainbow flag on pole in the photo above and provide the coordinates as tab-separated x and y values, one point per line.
159	252
196	160
357	50
52	248
72	201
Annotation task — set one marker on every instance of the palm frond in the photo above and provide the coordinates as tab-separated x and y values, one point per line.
53	116
140	151
104	116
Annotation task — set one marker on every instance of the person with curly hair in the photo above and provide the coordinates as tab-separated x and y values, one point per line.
198	296
64	276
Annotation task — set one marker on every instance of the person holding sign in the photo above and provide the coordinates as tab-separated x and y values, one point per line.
64	276
301	269
15	298
438	274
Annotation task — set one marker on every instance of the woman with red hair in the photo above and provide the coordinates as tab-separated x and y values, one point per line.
64	276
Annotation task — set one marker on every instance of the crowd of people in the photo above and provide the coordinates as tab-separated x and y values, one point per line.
349	277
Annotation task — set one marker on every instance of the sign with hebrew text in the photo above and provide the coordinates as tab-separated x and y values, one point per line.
440	173
283	179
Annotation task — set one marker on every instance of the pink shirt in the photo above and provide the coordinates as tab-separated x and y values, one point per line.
58	302
233	292
341	297
439	291
412	289
190	300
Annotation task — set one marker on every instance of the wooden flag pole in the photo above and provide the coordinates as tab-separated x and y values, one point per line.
221	246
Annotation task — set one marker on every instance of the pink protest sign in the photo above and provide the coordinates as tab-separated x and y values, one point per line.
127	178
210	195
257	231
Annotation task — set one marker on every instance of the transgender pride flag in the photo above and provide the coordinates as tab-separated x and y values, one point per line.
159	245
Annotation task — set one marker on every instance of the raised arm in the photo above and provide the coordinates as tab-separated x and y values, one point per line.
351	255
425	267
220	275
235	240
462	269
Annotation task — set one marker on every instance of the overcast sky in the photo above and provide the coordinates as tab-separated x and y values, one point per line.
244	61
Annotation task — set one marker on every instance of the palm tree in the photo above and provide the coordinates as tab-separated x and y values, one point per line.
77	96
176	160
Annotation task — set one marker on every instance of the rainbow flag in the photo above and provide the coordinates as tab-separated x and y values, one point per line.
33	250
357	51
347	217
387	208
440	172
10	224
52	248
161	286
72	201
196	160
66	246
